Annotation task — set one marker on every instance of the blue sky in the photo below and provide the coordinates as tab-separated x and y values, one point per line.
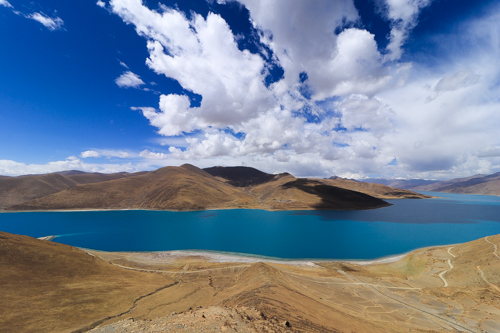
363	88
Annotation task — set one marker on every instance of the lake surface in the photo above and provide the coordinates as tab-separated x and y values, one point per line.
405	226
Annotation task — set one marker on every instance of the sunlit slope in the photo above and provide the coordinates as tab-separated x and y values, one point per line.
376	190
175	188
17	190
51	287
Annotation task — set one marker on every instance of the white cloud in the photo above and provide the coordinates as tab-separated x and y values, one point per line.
403	15
456	81
301	36
152	155
129	80
123	64
5	3
101	4
90	153
107	153
13	168
364	112
51	23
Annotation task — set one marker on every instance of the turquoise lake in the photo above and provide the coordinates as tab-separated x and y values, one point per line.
405	226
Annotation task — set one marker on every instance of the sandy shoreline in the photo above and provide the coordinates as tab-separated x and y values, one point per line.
222	257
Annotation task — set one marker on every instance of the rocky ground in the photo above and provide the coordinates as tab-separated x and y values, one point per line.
213	319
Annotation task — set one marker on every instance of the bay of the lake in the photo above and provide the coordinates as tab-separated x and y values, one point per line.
407	225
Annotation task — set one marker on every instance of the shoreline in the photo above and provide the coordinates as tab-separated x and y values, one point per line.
187	211
231	257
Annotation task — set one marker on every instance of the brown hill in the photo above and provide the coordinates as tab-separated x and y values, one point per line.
376	190
190	188
17	190
287	192
174	188
50	287
478	184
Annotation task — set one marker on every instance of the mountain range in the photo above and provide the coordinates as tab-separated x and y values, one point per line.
190	188
477	184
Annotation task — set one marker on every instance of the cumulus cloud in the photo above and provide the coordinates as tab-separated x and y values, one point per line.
203	56
129	80
302	38
101	4
5	3
361	111
51	23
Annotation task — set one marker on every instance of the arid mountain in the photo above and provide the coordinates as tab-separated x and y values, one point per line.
478	184
14	190
252	178
172	188
190	188
51	287
375	190
17	190
404	184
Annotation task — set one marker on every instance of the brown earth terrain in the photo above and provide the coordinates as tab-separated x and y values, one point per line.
375	190
17	190
478	184
190	188
57	288
405	184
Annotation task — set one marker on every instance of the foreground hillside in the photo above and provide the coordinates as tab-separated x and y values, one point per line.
190	188
478	184
440	289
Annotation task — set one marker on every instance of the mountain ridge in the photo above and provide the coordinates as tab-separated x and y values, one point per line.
190	188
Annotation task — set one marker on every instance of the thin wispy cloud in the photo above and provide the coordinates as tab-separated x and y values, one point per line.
51	23
129	80
5	3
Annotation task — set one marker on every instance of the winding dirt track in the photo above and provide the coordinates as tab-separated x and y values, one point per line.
449	321
441	275
494	245
479	267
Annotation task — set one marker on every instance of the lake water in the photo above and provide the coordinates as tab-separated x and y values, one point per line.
407	225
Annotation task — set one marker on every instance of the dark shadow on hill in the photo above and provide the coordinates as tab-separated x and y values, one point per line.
240	176
337	198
